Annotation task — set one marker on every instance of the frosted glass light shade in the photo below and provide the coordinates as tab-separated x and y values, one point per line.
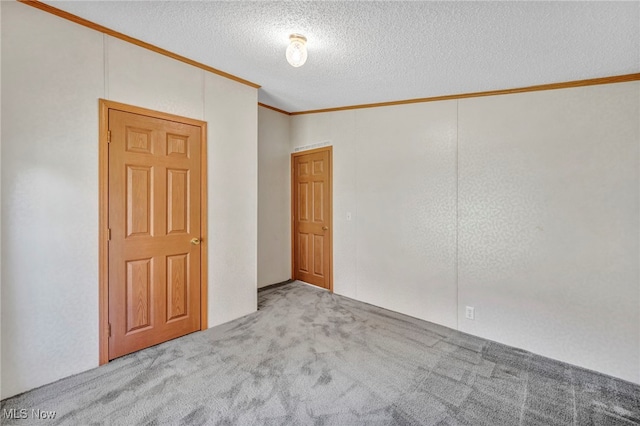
297	50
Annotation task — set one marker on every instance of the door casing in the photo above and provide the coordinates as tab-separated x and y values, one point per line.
103	253
329	149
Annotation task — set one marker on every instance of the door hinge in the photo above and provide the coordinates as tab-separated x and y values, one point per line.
109	234
108	136
109	329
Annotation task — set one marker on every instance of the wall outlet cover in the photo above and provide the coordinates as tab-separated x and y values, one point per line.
470	312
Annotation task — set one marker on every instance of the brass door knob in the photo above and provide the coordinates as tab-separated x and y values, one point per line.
195	241
324	228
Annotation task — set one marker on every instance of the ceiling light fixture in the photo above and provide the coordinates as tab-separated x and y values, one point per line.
297	50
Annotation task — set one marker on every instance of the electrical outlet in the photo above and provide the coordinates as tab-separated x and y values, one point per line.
470	312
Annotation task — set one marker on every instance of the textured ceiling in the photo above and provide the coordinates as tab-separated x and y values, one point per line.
365	52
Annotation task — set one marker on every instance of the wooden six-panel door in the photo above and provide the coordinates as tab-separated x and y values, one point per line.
312	211
154	221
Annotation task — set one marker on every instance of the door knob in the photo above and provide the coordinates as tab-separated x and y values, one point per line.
195	241
324	228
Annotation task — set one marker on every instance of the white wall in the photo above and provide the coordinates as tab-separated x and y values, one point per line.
140	77
274	203
406	203
548	214
53	73
538	192
49	197
394	171
231	109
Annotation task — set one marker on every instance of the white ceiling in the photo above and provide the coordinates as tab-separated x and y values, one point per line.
365	52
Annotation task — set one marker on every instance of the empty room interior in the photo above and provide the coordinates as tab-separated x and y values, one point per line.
314	212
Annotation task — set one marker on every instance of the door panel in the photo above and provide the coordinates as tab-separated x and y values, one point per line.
318	255
312	217
177	286
318	202
138	298
177	205
154	212
303	249
303	201
138	201
138	140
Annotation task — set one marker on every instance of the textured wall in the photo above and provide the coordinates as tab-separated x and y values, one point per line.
394	171
545	189
49	197
274	189
53	73
232	117
137	76
548	215
406	203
